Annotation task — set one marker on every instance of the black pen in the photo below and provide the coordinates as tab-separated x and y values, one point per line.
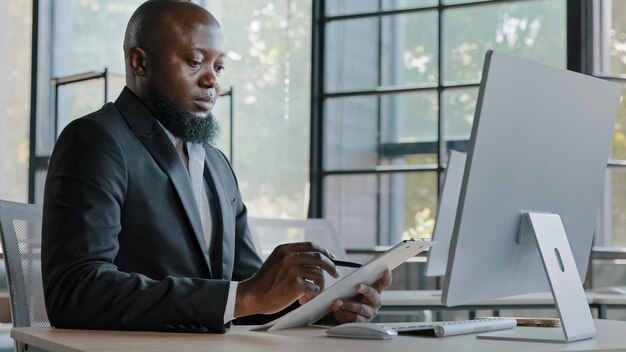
346	264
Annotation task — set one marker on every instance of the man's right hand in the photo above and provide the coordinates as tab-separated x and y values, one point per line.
293	271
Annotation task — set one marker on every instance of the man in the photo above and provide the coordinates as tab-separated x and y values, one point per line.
144	227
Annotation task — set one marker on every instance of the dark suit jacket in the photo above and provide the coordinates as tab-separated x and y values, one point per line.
122	244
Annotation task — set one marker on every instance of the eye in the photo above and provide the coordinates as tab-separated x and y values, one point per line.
219	69
194	63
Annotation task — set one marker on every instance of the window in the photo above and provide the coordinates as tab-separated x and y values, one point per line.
75	37
266	86
396	88
268	46
609	62
15	67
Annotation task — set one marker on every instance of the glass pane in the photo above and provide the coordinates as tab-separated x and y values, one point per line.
351	133
407	55
351	202
618	37
79	99
458	107
455	2
79	24
46	134
268	65
355	136
617	193
420	203
15	43
378	209
349	7
351	55
531	29
619	136
409	117
40	182
222	113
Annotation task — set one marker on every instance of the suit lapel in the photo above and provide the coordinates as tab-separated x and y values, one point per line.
163	152
224	243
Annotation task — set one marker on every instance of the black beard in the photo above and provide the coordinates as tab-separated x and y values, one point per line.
181	123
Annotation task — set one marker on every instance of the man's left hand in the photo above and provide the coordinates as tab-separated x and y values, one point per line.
364	306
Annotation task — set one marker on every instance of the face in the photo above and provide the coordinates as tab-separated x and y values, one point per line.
187	66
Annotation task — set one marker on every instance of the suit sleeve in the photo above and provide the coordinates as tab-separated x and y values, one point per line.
83	288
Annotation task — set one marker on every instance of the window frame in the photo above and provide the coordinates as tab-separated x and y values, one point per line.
579	47
583	23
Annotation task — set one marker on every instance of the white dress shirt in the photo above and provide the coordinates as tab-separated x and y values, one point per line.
194	163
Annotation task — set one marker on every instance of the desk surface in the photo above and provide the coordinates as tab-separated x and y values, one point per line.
610	337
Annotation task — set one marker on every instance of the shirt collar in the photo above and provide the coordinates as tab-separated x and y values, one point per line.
194	150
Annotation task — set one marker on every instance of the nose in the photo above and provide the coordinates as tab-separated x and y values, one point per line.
208	79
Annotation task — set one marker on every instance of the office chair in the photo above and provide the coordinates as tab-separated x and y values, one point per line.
20	231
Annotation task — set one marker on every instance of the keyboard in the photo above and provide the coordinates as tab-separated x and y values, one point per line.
451	328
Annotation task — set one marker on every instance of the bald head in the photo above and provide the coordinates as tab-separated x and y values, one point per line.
159	30
174	54
154	21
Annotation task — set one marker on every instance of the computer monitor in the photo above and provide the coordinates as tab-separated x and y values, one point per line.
538	151
446	212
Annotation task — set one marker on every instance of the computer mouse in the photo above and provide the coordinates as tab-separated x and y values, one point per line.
362	331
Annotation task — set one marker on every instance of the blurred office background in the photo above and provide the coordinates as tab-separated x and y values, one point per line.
343	109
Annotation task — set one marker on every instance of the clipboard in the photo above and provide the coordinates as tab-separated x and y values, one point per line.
319	306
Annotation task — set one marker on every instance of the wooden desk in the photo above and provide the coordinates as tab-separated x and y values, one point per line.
313	339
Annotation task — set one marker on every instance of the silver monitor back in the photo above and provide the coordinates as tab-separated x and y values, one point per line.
540	142
446	212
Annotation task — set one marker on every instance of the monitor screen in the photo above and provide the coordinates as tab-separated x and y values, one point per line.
540	142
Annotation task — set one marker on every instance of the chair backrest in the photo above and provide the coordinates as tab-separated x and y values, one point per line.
269	233
20	231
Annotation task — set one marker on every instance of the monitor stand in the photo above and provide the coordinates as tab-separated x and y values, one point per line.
567	290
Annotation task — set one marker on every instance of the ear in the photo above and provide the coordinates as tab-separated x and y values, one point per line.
137	59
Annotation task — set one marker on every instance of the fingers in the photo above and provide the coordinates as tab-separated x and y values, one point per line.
313	273
365	305
305	298
305	247
315	276
316	259
370	296
307	254
310	288
292	272
352	311
383	282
